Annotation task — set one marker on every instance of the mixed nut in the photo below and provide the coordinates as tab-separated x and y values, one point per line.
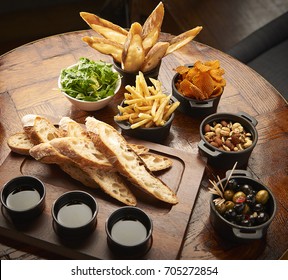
227	136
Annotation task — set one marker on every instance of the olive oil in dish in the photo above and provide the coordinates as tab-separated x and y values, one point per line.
129	232
23	198
74	214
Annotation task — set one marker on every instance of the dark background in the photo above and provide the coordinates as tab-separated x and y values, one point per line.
225	22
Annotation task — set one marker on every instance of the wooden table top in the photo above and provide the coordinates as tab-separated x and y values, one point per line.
28	77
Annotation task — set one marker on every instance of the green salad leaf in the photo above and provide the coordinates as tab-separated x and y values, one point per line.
89	80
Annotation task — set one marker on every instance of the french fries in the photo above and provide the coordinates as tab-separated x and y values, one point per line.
146	106
137	49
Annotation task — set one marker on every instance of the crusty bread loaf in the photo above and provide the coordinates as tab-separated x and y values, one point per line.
70	128
39	129
126	161
42	131
20	143
82	151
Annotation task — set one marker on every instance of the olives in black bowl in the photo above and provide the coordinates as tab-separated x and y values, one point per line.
247	210
248	205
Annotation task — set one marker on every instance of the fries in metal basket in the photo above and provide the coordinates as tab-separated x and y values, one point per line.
146	106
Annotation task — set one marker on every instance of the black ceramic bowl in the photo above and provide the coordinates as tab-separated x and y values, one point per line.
152	134
23	198
74	214
194	107
129	231
238	233
129	78
222	158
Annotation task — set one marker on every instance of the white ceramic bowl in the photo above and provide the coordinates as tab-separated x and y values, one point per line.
90	105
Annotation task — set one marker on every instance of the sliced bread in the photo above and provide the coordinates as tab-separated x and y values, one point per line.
156	162
46	153
82	151
139	149
69	127
110	182
39	129
126	161
20	143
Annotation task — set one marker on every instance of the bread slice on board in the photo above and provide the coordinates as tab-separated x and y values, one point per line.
156	162
126	161
20	143
82	151
46	153
138	148
69	127
39	129
78	144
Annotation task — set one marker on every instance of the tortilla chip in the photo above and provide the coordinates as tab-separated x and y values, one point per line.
189	90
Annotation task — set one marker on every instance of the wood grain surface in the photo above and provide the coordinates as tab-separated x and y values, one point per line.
28	84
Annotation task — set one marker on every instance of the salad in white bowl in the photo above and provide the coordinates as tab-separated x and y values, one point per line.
89	85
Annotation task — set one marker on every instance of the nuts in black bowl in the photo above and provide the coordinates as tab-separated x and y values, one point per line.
228	138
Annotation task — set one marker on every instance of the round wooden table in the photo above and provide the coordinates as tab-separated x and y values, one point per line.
28	78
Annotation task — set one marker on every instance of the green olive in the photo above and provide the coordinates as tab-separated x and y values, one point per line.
221	208
229	204
228	194
239	197
262	196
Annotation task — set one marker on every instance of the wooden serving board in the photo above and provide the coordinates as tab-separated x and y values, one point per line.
169	222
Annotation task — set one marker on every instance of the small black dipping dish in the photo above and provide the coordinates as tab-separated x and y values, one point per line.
129	231
74	214
23	198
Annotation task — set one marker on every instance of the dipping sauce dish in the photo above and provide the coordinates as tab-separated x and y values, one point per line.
74	214
23	197
129	231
